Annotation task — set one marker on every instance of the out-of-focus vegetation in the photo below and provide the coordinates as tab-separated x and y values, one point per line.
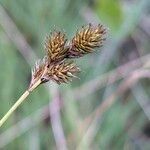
107	108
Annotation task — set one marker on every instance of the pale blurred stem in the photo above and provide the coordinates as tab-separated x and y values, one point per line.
19	102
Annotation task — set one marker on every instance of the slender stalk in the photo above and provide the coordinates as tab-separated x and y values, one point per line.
19	101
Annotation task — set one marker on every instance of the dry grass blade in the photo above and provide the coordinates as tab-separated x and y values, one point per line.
129	82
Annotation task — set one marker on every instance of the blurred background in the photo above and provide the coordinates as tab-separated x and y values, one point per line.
107	108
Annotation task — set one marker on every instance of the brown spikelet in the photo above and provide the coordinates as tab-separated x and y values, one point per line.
54	45
55	66
62	72
86	40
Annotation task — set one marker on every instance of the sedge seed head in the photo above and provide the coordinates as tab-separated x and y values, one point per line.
86	39
55	66
55	46
62	72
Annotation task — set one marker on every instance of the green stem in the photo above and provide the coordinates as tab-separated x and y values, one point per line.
18	102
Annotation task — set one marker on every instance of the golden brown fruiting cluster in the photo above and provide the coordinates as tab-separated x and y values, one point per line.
62	72
55	65
55	46
86	40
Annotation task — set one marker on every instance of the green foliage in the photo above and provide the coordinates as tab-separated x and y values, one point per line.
110	12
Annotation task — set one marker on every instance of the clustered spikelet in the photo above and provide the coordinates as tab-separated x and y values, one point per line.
85	40
55	66
62	72
55	46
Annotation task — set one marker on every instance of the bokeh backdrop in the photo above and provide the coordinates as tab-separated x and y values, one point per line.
108	108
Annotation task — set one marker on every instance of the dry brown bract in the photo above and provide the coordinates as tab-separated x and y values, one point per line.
55	65
38	70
